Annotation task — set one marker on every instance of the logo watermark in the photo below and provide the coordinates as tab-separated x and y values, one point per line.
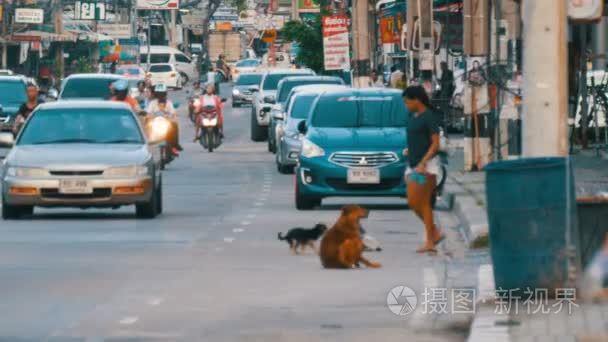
401	300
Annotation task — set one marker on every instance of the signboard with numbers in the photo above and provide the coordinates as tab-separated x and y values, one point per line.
336	44
86	10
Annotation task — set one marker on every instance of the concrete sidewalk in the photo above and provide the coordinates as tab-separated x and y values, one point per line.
585	323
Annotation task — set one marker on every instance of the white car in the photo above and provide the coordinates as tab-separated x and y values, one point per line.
166	74
244	66
165	54
266	97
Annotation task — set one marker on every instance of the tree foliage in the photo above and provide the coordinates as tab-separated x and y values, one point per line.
310	40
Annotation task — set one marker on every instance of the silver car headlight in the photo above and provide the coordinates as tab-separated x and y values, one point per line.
26	172
236	92
127	171
311	150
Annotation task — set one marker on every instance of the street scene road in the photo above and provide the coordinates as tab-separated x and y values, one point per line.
210	267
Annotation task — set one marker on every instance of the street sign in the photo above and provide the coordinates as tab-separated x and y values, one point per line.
585	10
87	10
269	36
157	4
336	45
116	31
29	16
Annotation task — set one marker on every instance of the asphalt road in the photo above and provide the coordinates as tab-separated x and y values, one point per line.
210	268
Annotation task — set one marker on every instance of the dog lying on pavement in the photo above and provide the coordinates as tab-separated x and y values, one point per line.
303	237
342	246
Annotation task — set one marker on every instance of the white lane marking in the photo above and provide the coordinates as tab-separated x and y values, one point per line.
229	239
259	204
238	230
250	216
129	320
245	223
155	301
218	249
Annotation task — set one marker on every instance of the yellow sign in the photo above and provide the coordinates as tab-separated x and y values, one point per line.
269	36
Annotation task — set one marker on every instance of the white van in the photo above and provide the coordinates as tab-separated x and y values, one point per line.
164	54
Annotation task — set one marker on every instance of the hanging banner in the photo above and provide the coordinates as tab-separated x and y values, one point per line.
336	45
157	4
116	31
29	16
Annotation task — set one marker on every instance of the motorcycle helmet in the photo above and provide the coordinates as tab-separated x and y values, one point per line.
121	89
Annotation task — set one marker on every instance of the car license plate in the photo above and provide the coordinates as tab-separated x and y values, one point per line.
363	176
75	186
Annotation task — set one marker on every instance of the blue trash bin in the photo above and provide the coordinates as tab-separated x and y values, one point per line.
532	220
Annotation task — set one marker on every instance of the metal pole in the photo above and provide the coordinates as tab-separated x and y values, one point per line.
361	49
583	90
149	38
4	31
497	140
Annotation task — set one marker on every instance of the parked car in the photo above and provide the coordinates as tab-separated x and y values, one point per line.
166	74
244	66
13	94
163	54
88	86
283	90
245	87
297	108
81	154
266	97
131	71
352	146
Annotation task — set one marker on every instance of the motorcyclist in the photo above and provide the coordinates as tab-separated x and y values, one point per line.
210	99
162	106
121	94
223	66
26	108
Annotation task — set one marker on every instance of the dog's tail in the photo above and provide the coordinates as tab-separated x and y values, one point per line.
281	238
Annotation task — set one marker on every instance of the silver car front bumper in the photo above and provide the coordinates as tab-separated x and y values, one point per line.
289	151
106	192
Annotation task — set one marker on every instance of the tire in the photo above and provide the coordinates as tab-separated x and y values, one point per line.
15	212
258	133
283	169
149	209
305	202
185	78
163	157
159	201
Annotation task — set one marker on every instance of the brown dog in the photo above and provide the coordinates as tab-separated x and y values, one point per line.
341	247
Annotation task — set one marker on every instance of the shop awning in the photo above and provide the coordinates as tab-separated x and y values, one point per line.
42	36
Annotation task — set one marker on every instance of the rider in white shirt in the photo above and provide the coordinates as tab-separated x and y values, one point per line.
162	106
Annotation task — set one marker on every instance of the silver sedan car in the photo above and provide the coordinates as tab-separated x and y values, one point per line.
81	154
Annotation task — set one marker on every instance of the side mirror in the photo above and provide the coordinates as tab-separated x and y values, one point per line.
224	99
302	127
52	94
278	115
270	99
7	139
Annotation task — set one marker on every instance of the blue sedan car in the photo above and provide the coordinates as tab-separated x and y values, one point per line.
353	146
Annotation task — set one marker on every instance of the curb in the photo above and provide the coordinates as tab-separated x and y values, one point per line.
472	216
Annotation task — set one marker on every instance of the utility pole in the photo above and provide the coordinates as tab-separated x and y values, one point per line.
173	34
361	48
294	10
58	22
545	104
477	149
4	33
412	16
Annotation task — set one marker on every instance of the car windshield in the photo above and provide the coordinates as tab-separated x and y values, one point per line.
271	81
12	93
81	125
301	106
128	71
248	79
160	68
360	111
95	88
286	87
248	63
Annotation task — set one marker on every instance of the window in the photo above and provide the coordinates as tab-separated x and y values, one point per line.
81	125
155	58
12	94
287	87
248	79
92	88
182	58
360	110
271	81
161	68
301	106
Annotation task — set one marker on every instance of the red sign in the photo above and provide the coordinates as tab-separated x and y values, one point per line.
336	44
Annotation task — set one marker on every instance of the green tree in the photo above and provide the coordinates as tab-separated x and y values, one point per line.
310	40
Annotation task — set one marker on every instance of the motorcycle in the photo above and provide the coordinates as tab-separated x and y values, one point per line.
157	129
210	132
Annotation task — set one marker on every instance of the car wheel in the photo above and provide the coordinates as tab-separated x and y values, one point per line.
258	133
178	84
15	212
159	201
184	77
305	202
149	209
